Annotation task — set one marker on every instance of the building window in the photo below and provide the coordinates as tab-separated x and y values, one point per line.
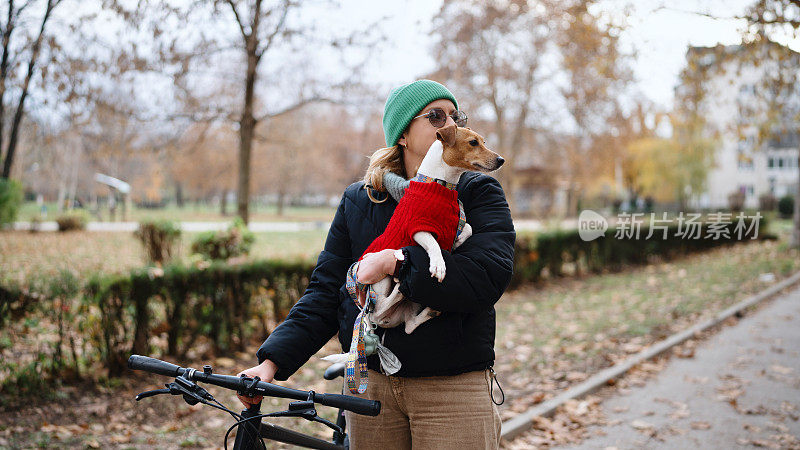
744	161
770	162
780	163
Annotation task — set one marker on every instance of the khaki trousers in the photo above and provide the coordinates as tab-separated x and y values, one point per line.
446	412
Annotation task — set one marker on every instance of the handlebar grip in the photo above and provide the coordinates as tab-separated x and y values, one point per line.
138	362
350	403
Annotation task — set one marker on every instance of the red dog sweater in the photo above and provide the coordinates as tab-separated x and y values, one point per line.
427	207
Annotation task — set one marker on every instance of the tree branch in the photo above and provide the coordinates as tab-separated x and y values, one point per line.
278	28
238	19
298	105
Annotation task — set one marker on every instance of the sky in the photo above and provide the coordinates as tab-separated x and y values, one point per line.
659	36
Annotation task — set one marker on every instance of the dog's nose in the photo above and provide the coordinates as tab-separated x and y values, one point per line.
500	161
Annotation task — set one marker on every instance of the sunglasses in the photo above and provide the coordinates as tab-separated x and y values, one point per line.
438	117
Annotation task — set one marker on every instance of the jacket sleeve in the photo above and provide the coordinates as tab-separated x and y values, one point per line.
313	320
478	271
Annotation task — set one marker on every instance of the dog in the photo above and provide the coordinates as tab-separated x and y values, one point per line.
455	151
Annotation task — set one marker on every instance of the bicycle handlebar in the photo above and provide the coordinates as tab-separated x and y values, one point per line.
350	403
152	365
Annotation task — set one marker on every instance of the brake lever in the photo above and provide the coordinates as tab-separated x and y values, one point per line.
306	410
146	394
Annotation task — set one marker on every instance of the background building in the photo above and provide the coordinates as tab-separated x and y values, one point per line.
750	113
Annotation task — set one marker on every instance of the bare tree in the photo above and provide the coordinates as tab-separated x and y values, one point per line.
492	51
263	28
508	56
12	22
597	74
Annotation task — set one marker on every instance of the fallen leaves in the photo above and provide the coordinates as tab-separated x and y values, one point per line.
642	425
700	425
566	426
781	369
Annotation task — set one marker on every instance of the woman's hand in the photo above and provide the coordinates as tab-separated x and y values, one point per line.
266	371
374	266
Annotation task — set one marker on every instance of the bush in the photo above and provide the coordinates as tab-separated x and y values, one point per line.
35	224
158	239
72	221
736	201
767	202
786	206
222	245
10	200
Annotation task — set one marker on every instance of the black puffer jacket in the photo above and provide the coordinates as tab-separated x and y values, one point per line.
461	339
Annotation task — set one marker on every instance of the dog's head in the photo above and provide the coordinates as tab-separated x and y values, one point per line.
466	149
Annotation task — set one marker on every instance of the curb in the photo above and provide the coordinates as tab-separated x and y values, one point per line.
514	427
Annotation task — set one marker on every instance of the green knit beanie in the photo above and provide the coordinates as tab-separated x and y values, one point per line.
406	101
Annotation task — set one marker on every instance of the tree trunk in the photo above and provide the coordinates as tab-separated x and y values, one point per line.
281	202
223	203
4	67
247	126
12	141
796	228
179	194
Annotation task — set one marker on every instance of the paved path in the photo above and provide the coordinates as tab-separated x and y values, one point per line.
740	390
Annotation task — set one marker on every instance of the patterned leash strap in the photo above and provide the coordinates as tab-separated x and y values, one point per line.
357	354
462	219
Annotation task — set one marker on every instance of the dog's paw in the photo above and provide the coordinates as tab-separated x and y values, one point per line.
465	234
438	268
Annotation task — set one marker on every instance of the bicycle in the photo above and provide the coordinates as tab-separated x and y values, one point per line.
251	430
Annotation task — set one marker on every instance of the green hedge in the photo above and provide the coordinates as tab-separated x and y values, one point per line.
225	303
552	250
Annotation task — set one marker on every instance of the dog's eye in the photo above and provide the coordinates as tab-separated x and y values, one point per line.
473	142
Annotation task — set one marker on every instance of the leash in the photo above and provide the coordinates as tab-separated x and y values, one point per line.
364	342
357	354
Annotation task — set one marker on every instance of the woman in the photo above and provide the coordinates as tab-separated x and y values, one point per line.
440	398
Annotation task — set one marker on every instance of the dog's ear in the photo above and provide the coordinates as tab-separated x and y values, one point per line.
447	135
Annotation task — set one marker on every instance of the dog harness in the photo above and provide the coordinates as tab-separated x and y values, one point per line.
429	205
426	179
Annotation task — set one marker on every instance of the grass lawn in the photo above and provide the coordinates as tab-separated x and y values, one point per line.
25	256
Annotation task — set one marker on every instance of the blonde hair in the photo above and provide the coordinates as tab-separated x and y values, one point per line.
386	159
